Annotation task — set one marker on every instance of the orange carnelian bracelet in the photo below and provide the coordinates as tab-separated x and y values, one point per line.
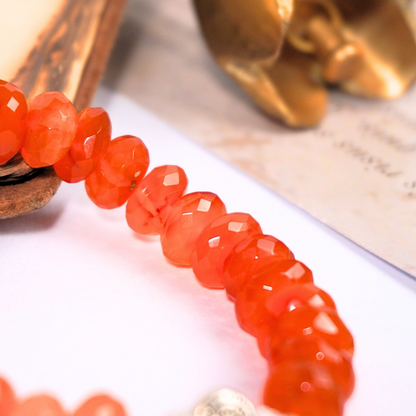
307	346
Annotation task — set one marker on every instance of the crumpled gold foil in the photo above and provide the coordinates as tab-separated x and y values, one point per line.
286	53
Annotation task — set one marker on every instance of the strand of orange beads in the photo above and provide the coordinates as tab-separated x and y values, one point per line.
45	405
299	332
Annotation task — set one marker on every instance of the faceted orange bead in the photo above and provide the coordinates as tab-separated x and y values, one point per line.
118	174
105	194
295	296
248	257
153	198
99	406
126	161
215	244
250	305
13	110
186	221
88	148
7	398
41	405
316	350
309	322
51	126
285	300
303	389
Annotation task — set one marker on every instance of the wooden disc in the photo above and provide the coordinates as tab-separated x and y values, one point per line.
67	54
28	196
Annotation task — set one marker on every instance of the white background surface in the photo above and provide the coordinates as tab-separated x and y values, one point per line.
87	306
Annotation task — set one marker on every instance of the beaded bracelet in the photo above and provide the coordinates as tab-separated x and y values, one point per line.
308	348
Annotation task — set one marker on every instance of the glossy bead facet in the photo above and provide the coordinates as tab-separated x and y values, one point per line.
118	174
13	110
88	148
51	126
215	244
250	303
186	221
101	405
309	322
152	200
285	300
316	350
41	405
303	389
248	257
7	398
295	296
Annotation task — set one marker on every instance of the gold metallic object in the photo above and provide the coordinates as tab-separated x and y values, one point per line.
283	53
317	29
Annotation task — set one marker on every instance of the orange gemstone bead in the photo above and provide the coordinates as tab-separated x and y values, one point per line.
152	200
13	111
248	257
117	175
215	244
99	406
317	350
285	300
295	296
51	126
303	389
88	148
7	398
309	322
250	305
41	405
186	221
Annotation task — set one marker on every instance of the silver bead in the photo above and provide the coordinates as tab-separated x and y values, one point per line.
225	402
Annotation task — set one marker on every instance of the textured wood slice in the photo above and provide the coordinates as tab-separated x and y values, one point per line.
66	50
30	195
